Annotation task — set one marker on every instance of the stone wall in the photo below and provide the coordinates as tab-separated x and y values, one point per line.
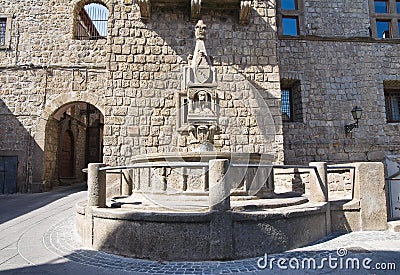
134	78
339	67
146	62
35	72
349	18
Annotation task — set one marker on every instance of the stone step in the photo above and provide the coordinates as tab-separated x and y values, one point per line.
394	226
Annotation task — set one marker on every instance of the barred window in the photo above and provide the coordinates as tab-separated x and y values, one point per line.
5	31
286	105
3	24
392	100
292	109
381	6
91	22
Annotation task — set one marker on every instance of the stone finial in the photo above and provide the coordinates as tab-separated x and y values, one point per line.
200	71
145	10
195	10
244	14
200	30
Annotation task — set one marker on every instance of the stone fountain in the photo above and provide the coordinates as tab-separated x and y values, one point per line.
201	204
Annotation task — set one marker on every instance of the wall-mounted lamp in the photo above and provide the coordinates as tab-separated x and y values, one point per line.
356	113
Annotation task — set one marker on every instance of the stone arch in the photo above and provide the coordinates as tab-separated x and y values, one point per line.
57	103
79	4
41	174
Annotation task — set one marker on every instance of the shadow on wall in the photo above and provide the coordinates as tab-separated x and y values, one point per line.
245	61
20	155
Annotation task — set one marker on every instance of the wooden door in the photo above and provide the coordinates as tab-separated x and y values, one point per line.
8	174
67	155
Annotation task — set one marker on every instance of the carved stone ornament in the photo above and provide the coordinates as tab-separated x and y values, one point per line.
79	82
200	71
200	81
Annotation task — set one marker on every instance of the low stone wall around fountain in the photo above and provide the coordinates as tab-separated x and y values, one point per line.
229	228
213	235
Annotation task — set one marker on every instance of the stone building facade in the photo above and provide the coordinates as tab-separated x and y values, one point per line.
133	78
124	91
340	61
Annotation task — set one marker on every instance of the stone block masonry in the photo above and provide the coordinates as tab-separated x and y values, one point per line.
339	66
149	73
134	78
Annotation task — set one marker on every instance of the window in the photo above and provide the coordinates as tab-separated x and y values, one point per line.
289	5
291	107
91	22
398	27
385	18
289	17
182	114
3	24
381	6
286	105
290	26
5	31
392	100
383	29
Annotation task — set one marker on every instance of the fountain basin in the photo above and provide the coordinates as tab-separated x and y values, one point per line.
200	236
219	220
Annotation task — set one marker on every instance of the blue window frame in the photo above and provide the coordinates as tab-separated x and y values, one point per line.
383	29
381	6
289	4
290	26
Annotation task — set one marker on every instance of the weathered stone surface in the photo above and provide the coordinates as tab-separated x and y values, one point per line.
370	191
133	73
216	235
96	185
319	182
220	185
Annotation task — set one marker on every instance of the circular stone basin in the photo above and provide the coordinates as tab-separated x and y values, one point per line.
151	233
179	226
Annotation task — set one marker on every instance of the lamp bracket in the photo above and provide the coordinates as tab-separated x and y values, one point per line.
349	127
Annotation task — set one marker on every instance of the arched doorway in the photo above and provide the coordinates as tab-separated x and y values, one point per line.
74	138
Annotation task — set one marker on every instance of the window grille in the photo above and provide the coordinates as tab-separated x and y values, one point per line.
392	100
3	25
286	105
292	106
92	22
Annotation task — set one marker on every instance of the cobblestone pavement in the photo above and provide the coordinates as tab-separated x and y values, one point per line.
49	245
